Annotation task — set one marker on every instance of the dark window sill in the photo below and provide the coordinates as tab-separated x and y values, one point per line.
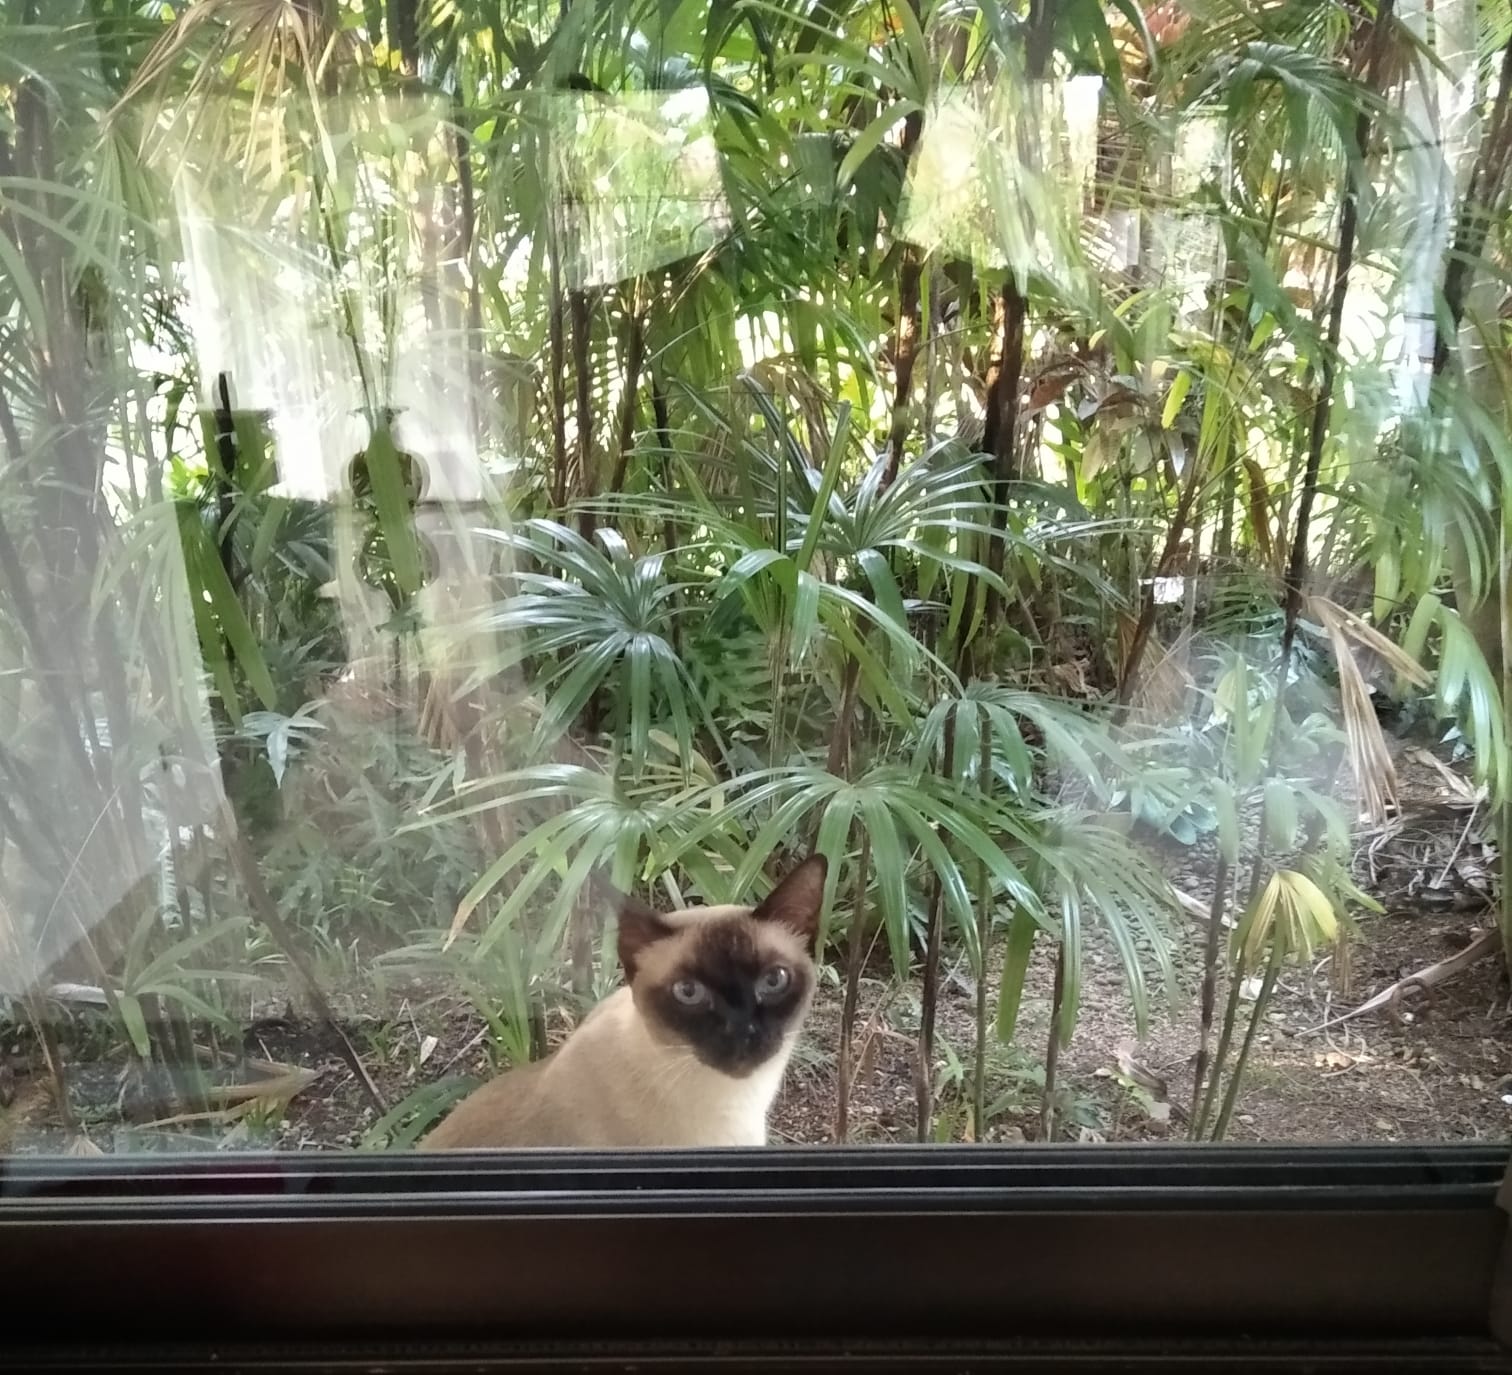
1367	1257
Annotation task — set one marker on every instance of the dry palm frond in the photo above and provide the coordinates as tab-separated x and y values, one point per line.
1163	684
1367	636
271	1092
1369	758
1486	943
257	49
1260	516
279	1083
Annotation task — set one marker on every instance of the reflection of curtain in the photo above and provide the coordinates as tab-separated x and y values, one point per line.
1439	112
342	295
97	874
342	298
1000	174
635	182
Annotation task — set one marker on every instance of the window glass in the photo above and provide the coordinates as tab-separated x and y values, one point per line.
687	574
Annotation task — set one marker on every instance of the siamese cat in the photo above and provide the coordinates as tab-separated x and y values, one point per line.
691	1052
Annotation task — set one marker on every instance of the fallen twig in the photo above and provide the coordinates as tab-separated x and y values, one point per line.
1459	845
1199	911
267	913
1429	977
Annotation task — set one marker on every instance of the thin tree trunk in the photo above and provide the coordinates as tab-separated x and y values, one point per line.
1210	949
906	345
996	334
223	479
984	934
838	762
1296	572
582	354
1482	198
557	348
1130	675
929	996
1504	626
635	357
1000	430
1001	437
404	34
855	958
1052	1047
661	413
905	354
1257	1015
1492	632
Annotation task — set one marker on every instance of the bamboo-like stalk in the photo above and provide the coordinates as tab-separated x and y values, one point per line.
838	762
1483	196
855	959
929	994
557	382
1210	950
1225	1039
1236	1074
635	358
906	340
1322	414
1053	1046
582	375
983	934
1504	586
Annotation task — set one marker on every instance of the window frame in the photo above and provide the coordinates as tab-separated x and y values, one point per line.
562	1258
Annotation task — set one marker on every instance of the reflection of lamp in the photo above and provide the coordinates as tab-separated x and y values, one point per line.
257	305
350	325
321	305
401	505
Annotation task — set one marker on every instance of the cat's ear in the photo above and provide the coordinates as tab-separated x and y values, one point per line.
797	900
639	926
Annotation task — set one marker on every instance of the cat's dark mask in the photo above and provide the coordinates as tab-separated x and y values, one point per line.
729	983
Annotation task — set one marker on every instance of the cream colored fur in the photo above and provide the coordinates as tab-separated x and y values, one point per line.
618	1081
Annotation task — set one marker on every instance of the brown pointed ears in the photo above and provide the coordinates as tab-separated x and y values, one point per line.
639	926
797	901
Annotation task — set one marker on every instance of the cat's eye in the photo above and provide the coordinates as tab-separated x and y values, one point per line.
689	992
773	983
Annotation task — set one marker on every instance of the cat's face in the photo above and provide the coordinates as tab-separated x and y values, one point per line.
730	983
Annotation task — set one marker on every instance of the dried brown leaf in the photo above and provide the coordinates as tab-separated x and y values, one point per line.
1369	757
1366	635
1260	514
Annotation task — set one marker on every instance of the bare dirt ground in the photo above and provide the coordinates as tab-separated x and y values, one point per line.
1433	1065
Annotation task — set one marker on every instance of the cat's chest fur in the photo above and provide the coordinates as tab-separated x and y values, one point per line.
632	1086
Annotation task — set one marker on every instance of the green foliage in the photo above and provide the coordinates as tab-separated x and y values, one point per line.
733	584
